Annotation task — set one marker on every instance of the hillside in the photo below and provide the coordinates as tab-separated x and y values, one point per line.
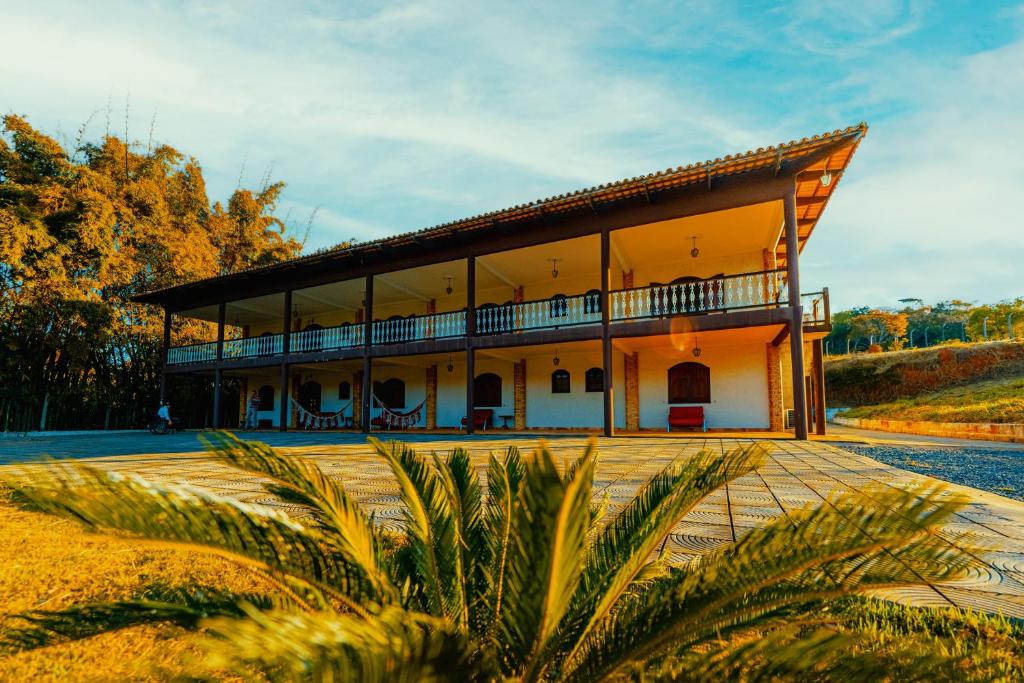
870	379
998	401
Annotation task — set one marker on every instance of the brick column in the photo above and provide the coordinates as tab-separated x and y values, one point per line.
632	392
519	393
243	402
432	397
776	406
627	279
517	295
357	399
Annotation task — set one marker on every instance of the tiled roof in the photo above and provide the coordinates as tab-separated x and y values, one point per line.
812	196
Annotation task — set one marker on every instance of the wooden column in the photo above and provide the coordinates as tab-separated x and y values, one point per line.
606	342
796	329
284	411
166	348
218	373
470	333
364	413
818	363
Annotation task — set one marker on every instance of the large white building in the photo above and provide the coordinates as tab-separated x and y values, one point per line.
601	309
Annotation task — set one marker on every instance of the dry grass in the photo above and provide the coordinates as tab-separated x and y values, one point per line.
51	563
1000	401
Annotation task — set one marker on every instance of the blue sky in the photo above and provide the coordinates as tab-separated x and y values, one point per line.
395	116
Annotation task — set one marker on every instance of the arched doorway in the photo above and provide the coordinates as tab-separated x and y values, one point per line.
310	396
391	393
487	390
689	383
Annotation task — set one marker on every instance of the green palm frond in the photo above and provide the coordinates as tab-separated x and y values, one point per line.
433	531
503	479
391	646
623	547
300	481
550	523
182	607
793	561
198	519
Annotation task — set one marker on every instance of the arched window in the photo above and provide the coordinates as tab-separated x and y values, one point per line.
266	394
310	394
344	391
390	392
592	301
594	380
487	390
560	382
558	307
689	383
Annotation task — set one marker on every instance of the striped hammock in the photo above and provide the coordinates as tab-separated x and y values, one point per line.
310	420
390	419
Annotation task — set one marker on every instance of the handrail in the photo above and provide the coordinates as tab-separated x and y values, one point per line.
202	352
344	336
420	327
732	292
759	289
263	345
554	312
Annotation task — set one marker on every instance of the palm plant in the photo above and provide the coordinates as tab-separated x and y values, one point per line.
530	581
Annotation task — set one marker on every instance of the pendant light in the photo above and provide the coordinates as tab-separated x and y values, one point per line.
696	348
448	290
695	251
451	366
556	360
554	268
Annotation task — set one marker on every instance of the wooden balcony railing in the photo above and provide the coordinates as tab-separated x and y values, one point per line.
342	336
419	328
766	289
558	311
264	345
193	353
732	292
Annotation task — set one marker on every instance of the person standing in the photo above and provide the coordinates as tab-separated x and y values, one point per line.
252	415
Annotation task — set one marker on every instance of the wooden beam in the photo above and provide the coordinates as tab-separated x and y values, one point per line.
781	336
402	288
496	273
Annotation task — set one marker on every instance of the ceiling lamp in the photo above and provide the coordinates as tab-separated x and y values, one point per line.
695	251
448	289
554	268
826	179
556	360
451	366
696	349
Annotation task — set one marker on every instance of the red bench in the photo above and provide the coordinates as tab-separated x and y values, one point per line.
482	417
687	416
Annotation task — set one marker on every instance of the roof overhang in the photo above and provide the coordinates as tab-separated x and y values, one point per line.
804	161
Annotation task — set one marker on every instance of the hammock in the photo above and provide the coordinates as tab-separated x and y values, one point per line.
311	420
390	419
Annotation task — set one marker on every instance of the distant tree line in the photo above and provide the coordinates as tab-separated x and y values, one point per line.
83	227
917	325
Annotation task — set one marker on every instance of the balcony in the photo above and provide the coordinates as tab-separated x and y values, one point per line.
762	290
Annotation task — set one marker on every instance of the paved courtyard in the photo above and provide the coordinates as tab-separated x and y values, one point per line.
797	474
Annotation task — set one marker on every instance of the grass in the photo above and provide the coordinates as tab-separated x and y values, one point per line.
50	563
999	401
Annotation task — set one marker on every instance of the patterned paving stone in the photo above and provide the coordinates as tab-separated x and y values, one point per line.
797	475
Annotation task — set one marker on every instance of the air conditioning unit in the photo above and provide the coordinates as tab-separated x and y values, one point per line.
790	419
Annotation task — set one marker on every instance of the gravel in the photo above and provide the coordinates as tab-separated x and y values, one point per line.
998	471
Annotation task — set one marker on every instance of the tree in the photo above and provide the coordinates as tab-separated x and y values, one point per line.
81	231
880	327
529	581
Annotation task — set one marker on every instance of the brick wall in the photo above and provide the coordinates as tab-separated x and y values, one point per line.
776	420
432	397
519	393
357	399
632	391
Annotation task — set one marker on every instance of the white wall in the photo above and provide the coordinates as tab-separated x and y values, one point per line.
739	386
575	409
